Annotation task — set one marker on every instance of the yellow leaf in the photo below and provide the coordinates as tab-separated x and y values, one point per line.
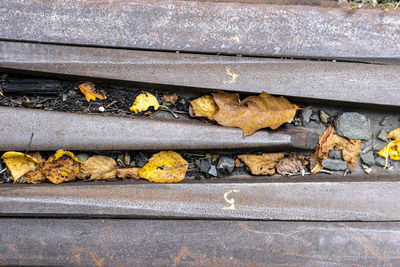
204	107
19	164
38	157
34	177
263	164
143	102
394	134
254	112
60	153
165	167
91	93
62	169
391	150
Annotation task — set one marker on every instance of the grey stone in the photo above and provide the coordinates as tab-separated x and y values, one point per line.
368	158
305	115
226	164
140	159
382	161
82	157
383	135
203	164
334	164
354	126
132	164
323	116
335	154
213	171
314	117
384	121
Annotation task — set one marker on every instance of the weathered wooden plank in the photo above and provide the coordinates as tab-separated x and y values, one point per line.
321	201
107	242
208	26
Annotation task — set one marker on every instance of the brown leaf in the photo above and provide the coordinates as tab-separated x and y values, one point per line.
291	164
238	163
351	149
204	107
98	168
128	173
91	93
170	98
34	177
263	164
63	169
254	112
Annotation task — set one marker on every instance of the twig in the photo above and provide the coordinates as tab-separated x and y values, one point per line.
29	145
3	170
168	109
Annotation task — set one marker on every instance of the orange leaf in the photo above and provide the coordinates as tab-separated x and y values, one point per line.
61	170
263	164
170	98
254	112
91	93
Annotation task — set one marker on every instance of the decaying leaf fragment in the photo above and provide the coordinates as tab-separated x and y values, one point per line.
351	149
170	98
19	164
165	167
394	134
263	164
62	169
254	112
91	93
34	177
143	102
204	107
291	164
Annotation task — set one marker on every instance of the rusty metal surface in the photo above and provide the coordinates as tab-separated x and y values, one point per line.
210	27
196	243
368	83
308	201
55	130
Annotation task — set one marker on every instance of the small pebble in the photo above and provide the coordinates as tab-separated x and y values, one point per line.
384	121
335	154
366	169
314	117
213	171
132	164
226	164
354	126
334	164
82	157
140	159
102	109
323	116
203	164
305	115
64	97
368	158
383	135
381	162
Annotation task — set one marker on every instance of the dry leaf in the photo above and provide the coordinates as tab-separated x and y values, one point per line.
38	157
34	177
128	173
19	164
170	98
59	153
143	102
238	163
91	93
291	164
98	168
351	149
263	164
62	169
165	167
254	112
394	134
391	150
204	107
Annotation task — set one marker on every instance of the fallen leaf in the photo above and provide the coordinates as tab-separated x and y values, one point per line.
19	164
394	134
254	112
34	177
351	149
143	102
263	164
62	169
391	150
98	168
204	107
59	153
128	173
238	163
165	167
91	93
170	98
38	157
127	159
291	164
